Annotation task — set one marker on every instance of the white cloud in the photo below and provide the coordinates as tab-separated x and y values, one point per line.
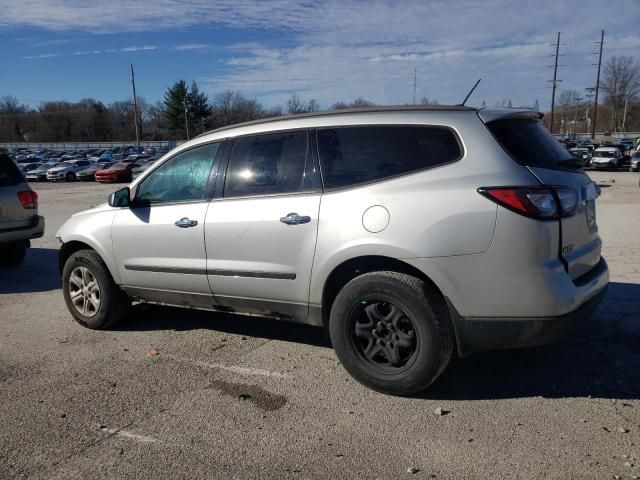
45	55
341	49
138	49
192	46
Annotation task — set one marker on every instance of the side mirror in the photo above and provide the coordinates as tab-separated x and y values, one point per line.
120	198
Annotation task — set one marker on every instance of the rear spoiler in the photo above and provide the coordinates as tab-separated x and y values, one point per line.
491	114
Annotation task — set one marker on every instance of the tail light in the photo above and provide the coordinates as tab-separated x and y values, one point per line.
541	203
28	199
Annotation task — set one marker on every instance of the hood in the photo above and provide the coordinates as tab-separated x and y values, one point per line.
57	169
103	207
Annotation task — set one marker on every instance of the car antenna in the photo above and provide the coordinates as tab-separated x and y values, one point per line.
469	94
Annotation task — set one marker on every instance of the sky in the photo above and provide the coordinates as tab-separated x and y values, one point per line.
334	50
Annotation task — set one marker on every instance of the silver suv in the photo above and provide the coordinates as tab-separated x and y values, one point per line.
19	219
408	232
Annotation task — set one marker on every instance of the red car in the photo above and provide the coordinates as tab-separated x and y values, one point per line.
119	172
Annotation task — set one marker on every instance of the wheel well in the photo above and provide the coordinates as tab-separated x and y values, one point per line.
347	271
67	249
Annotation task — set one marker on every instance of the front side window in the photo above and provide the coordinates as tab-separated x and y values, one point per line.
182	178
353	155
267	164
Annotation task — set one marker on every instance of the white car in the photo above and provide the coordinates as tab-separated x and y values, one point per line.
606	157
635	161
67	170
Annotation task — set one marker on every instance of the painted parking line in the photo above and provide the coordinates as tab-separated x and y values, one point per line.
245	371
126	434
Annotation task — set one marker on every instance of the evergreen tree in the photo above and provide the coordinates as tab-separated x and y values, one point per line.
174	109
536	105
197	105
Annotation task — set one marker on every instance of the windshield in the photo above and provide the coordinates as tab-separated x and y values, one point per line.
64	164
529	143
604	154
118	166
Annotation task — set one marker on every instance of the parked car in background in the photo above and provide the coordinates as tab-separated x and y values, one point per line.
635	162
118	172
430	229
89	174
28	167
138	169
67	170
40	174
606	157
110	156
19	219
582	154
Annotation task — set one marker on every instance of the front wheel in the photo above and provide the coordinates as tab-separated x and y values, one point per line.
391	332
91	295
70	177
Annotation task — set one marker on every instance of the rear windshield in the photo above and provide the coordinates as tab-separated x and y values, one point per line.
529	143
9	172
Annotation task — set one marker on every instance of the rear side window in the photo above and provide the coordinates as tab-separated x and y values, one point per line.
268	165
353	155
9	172
529	143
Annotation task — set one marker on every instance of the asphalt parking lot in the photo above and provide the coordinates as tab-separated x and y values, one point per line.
173	393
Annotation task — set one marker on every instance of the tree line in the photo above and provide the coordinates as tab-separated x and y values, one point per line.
186	111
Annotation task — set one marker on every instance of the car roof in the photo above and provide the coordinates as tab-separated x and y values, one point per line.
607	149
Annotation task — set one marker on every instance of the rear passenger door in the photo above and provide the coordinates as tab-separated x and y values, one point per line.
260	234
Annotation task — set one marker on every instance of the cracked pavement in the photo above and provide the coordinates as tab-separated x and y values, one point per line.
174	393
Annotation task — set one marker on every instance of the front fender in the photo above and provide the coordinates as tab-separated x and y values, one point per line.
94	230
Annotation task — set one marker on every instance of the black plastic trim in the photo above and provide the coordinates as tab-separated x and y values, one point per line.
183	270
250	274
475	334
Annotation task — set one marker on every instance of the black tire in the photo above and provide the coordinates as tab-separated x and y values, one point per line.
13	254
70	177
420	356
114	304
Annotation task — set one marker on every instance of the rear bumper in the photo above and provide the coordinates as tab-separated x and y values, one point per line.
35	230
475	334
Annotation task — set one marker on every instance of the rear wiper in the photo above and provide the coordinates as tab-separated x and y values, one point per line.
571	162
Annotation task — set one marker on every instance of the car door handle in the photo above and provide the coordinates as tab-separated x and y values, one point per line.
184	222
295	219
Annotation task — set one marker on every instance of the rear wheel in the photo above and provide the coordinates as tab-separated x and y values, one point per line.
91	295
391	332
13	254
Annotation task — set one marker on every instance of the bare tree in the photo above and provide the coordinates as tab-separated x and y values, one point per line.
295	105
428	101
568	98
621	83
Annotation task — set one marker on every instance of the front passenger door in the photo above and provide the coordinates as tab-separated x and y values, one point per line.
159	241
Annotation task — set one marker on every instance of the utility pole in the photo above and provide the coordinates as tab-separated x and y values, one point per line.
186	117
555	80
595	103
135	107
415	78
624	115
